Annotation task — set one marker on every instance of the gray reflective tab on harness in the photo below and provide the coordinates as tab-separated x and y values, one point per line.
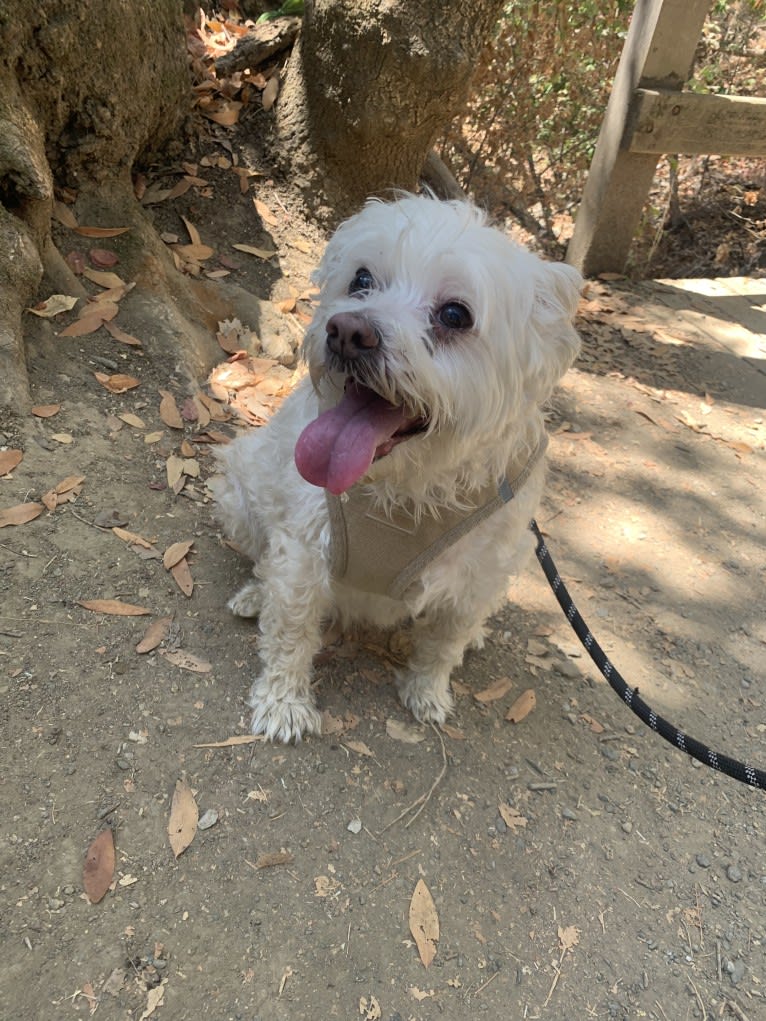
385	553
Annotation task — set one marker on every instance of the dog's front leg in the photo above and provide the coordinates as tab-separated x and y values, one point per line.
295	597
440	638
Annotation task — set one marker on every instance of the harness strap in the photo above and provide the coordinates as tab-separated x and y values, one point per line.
386	553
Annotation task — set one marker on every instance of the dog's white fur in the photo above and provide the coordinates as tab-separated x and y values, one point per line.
481	391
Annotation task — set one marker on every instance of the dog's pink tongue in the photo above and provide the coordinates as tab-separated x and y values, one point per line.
337	448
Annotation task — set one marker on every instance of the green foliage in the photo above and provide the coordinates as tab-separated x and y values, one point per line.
289	7
525	144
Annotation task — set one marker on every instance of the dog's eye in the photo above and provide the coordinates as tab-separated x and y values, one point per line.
454	315
363	281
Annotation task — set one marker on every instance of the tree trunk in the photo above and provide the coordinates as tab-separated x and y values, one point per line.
85	89
369	87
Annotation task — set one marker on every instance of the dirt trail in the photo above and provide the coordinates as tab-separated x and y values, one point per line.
579	866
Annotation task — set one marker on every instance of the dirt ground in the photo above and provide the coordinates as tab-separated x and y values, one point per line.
579	867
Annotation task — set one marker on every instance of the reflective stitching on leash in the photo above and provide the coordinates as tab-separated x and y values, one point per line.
731	767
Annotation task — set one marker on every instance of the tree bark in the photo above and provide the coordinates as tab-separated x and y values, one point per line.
369	87
86	88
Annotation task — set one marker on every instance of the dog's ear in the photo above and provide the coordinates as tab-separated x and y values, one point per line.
557	294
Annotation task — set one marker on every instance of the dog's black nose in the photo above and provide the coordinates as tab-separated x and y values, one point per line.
350	335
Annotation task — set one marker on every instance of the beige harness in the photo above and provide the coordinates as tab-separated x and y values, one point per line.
384	555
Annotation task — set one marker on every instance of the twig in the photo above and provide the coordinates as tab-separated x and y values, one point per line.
421	802
699	1000
32	556
737	1011
556	978
484	986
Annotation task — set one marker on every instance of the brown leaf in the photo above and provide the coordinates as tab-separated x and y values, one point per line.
512	818
569	937
154	635
98	869
115	607
169	412
184	815
495	691
118	383
261	253
131	537
265	213
404	732
173	554
119	334
266	861
102	258
270	93
53	306
182	576
454	732
360	748
10	459
45	410
20	514
424	923
186	661
100	232
522	707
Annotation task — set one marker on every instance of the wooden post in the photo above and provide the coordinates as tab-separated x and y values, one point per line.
658	54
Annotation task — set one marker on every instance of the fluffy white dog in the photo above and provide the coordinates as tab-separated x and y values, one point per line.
399	479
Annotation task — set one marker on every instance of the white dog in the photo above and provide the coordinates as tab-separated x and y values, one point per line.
399	479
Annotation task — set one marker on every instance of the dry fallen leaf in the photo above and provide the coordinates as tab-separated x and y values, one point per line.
186	661
45	410
113	606
175	553
495	690
522	707
268	860
99	866
370	1011
405	732
182	576
117	383
360	748
10	459
154	1000
424	923
261	253
511	816
20	514
154	635
569	937
53	306
184	816
100	232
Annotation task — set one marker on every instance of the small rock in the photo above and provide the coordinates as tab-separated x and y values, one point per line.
734	874
55	904
210	818
627	826
567	813
703	861
355	826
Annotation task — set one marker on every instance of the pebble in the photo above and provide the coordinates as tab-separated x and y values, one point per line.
703	861
734	874
627	826
567	813
54	903
210	818
355	826
735	971
123	764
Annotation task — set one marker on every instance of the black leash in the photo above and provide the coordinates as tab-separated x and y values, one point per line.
731	767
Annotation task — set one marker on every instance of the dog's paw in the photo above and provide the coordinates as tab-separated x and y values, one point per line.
248	601
429	700
284	719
